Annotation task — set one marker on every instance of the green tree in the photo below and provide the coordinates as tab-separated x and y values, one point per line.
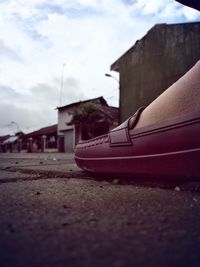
90	119
82	113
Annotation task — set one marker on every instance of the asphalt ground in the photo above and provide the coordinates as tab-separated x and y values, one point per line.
53	214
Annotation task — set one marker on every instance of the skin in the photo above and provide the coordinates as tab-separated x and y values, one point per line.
181	98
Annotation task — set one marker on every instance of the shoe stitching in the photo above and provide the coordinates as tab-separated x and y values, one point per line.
95	142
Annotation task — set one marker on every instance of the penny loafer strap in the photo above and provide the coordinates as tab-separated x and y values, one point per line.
120	136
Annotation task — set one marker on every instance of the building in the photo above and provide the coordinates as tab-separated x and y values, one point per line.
4	143
155	62
72	127
11	143
42	140
2	139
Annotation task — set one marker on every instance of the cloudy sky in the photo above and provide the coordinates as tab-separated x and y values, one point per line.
40	40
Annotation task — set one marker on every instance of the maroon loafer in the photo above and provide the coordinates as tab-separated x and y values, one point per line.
167	149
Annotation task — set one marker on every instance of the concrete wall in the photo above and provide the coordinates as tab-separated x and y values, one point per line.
155	62
64	117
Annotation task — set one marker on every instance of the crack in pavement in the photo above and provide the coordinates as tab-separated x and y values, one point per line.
31	165
39	175
178	185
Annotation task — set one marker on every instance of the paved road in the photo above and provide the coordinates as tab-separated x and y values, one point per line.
52	214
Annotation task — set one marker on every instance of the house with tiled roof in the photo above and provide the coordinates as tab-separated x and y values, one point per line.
99	119
42	140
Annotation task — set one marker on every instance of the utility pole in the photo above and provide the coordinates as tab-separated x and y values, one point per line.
61	83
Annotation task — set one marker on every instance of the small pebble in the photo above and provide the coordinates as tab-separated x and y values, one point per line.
177	188
11	228
66	207
65	224
115	181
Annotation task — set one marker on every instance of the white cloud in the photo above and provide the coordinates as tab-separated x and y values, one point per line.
36	108
153	6
93	3
190	13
